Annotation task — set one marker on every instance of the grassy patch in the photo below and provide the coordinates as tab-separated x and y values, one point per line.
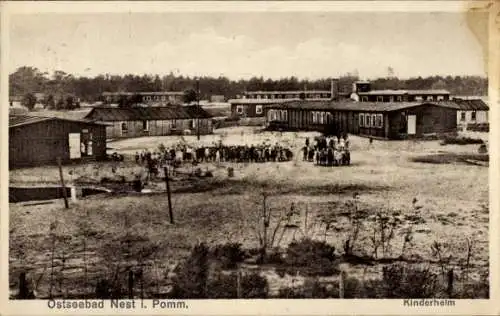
460	140
446	158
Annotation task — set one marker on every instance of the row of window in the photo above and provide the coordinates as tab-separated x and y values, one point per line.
289	96
258	109
463	116
158	98
277	115
321	117
399	98
369	120
145	126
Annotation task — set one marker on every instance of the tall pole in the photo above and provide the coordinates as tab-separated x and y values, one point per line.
170	213
198	110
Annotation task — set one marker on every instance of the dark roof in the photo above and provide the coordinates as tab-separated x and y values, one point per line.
471	104
361	106
19	120
261	101
288	92
147	113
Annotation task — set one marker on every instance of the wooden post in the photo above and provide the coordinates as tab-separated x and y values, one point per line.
449	289
23	287
62	183
238	283
170	213
341	284
130	284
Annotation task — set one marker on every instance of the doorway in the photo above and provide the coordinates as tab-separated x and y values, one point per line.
412	125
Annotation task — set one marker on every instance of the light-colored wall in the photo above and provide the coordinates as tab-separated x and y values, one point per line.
481	117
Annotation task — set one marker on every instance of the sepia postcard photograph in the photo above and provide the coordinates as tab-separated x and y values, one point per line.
247	157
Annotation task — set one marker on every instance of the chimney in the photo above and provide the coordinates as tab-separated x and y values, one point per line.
335	89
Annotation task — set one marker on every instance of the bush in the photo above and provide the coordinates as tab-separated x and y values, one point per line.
229	255
191	276
400	281
224	286
448	140
313	258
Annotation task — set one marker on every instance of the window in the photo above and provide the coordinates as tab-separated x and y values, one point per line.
379	123
440	97
400	98
163	98
124	128
391	99
368	120
473	115
321	118
364	99
374	120
430	98
258	96
258	109
174	124
361	120
285	115
193	124
239	109
145	125
380	98
462	116
419	98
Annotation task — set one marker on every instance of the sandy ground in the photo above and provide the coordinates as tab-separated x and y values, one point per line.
453	201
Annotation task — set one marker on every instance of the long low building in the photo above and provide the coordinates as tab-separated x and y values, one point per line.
387	120
38	140
152	121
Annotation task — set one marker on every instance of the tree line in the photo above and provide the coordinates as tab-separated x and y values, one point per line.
62	90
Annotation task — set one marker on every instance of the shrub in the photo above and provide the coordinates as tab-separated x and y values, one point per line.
314	258
448	140
400	281
225	286
191	276
229	255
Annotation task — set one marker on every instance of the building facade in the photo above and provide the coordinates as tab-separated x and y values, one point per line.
473	111
152	121
362	92
172	97
397	120
36	140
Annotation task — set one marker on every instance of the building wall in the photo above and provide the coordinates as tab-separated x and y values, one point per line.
41	143
392	125
481	117
157	128
430	119
399	98
249	110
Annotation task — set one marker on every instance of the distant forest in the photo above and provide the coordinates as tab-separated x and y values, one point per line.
59	86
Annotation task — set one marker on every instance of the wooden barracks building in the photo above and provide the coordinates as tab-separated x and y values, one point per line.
36	140
389	118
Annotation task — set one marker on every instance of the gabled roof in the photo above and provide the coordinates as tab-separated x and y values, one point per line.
147	113
403	92
360	106
20	120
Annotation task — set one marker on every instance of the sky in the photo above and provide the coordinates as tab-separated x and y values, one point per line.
244	44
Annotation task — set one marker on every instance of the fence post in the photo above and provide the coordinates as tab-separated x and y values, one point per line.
238	283
341	284
62	183
450	283
170	212
23	287
130	284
